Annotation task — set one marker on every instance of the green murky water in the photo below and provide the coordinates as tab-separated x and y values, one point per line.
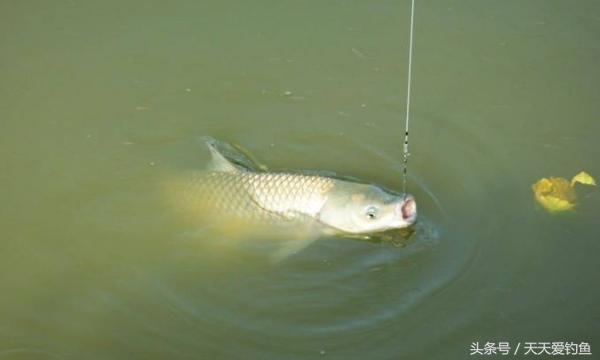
98	99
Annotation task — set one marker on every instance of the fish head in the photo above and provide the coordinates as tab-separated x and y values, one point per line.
363	208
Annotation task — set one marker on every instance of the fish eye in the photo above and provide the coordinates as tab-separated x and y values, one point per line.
371	212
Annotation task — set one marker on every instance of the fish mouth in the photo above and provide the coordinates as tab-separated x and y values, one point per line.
408	209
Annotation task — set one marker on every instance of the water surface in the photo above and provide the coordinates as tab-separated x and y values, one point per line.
99	99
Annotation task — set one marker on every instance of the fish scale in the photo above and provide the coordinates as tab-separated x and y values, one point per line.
259	196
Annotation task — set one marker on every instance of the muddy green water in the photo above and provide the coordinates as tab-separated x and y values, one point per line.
99	99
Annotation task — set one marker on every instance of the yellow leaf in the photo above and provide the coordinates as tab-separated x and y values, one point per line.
552	203
583	178
543	186
555	194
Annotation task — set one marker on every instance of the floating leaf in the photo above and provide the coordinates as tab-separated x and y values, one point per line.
555	194
583	178
558	194
556	204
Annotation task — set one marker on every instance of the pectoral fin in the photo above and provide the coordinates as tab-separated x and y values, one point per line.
291	247
301	238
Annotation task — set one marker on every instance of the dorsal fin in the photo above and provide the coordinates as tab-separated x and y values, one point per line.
227	158
218	162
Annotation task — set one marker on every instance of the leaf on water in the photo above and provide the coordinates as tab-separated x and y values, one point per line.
558	194
554	194
556	204
544	186
583	178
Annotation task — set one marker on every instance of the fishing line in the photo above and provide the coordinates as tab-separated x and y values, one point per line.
406	153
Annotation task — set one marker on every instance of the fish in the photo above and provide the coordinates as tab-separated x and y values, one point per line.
235	189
